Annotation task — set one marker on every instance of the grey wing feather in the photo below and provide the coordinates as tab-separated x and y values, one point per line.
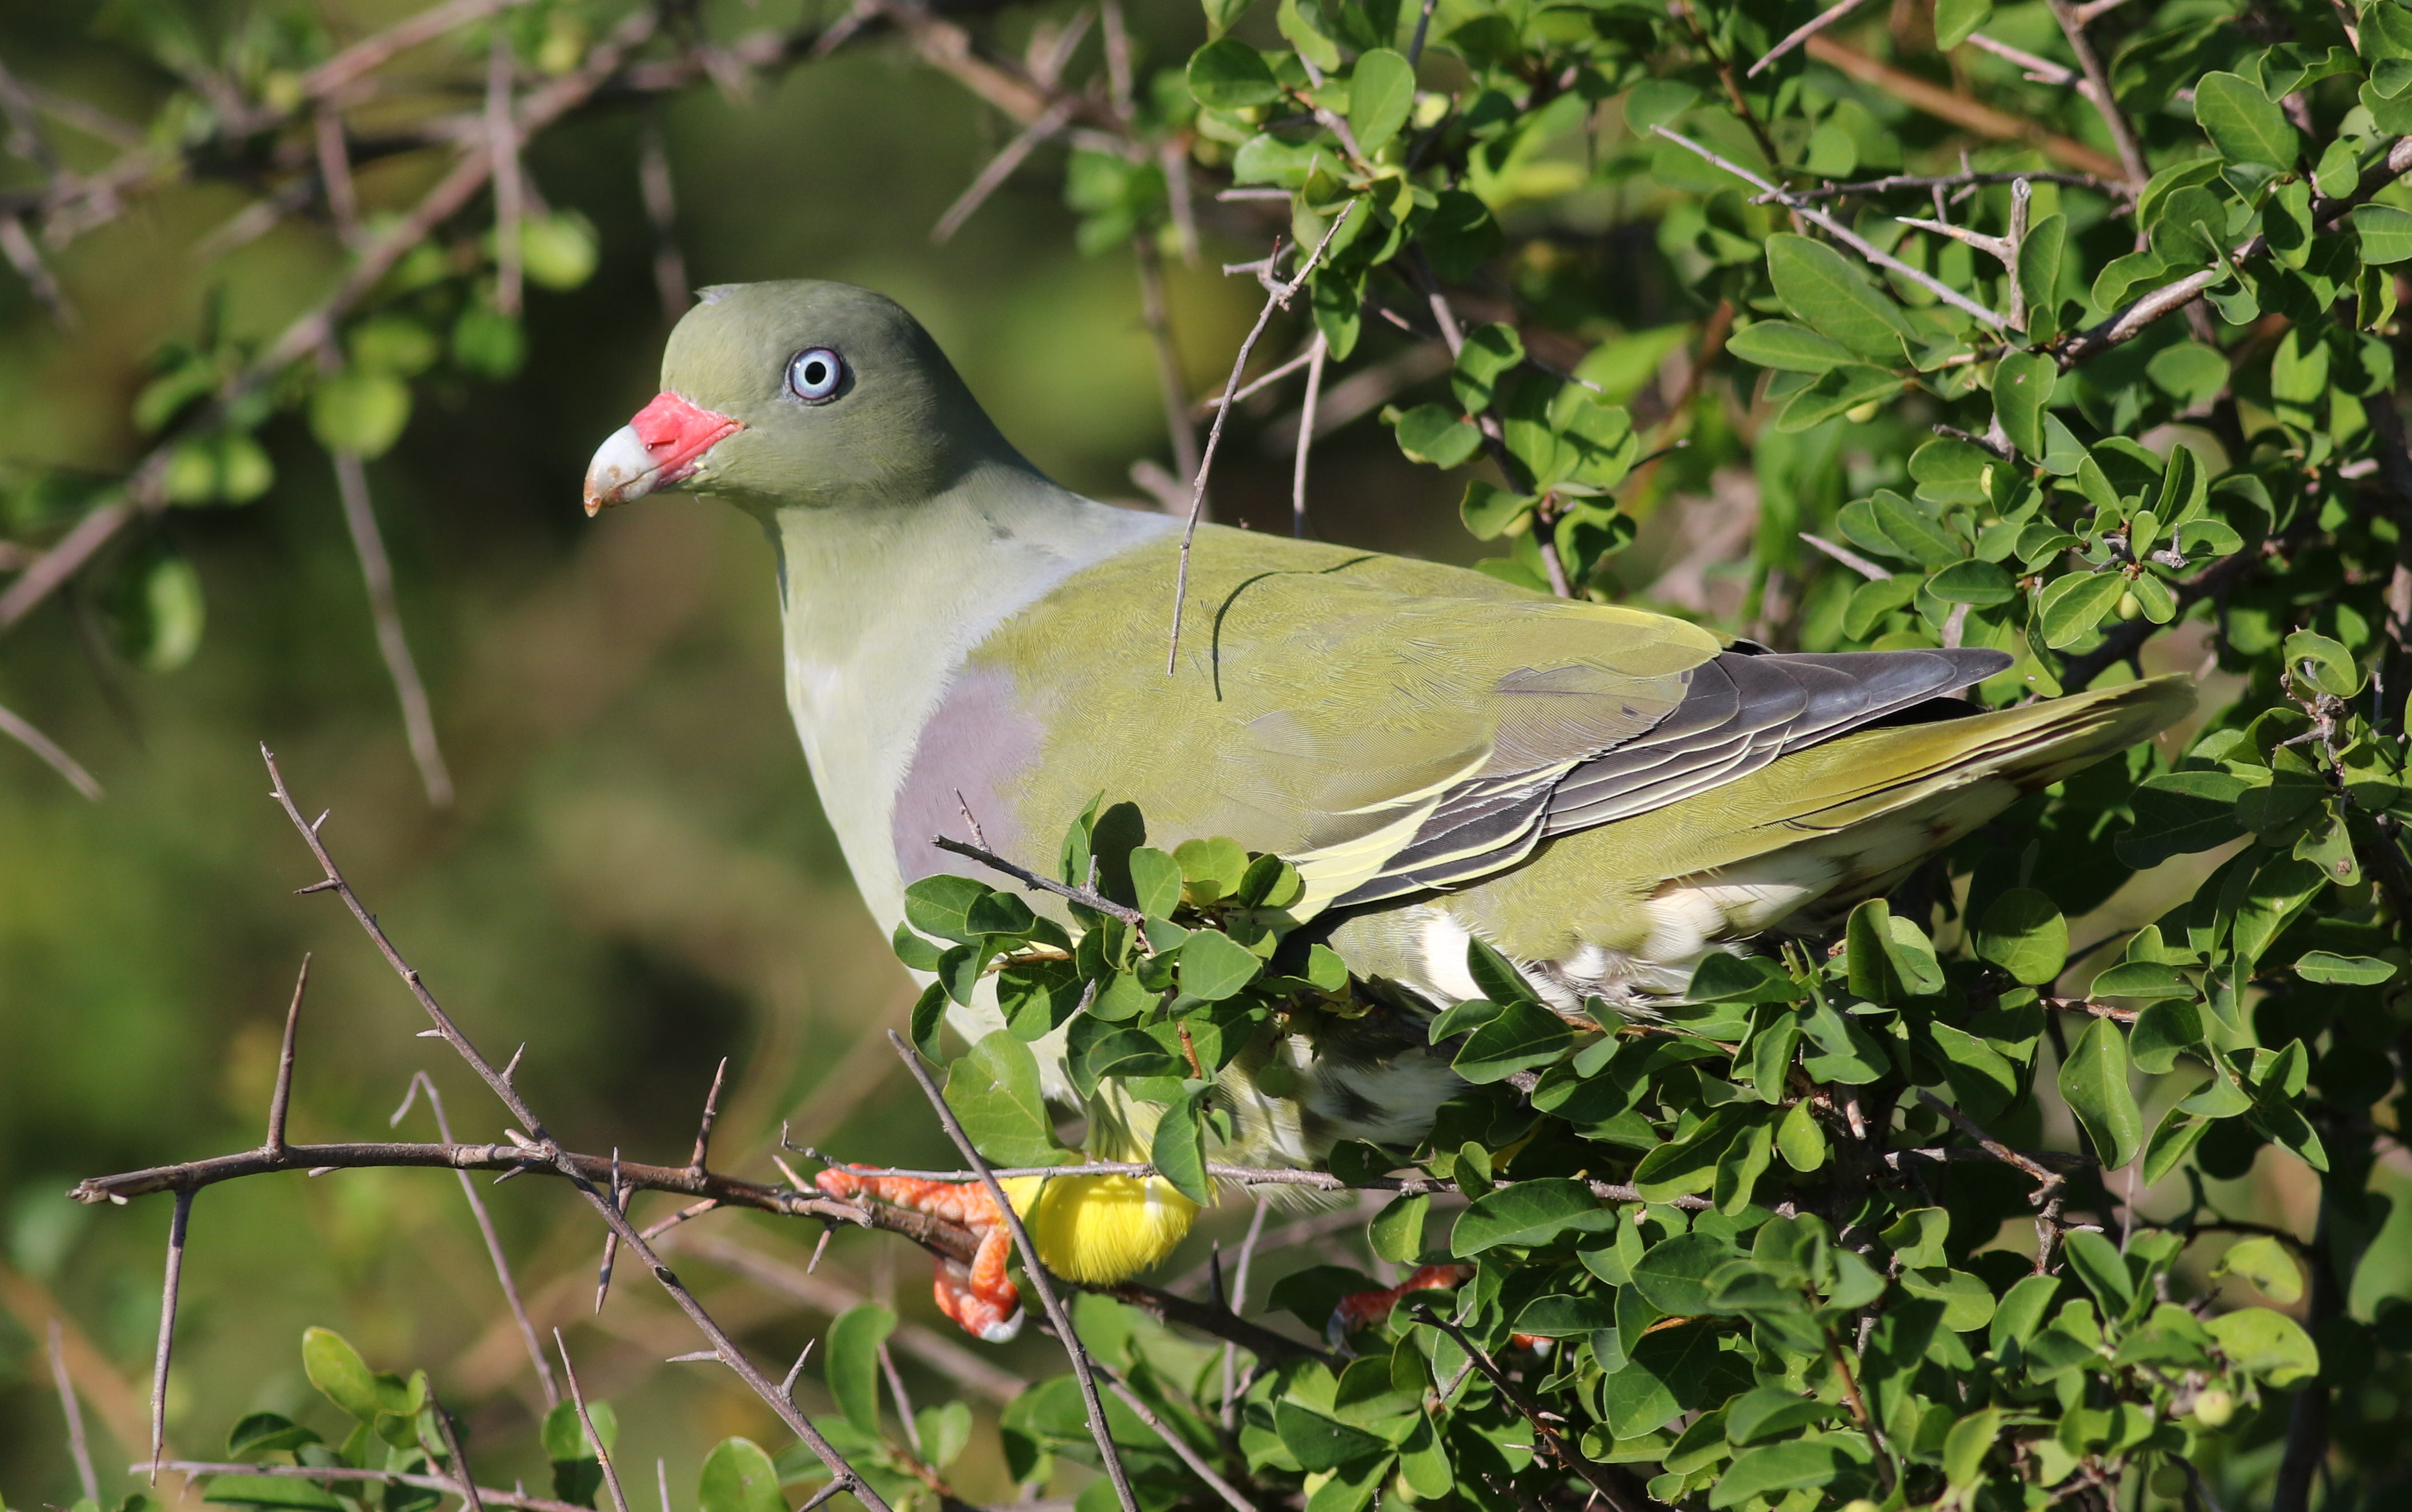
1741	710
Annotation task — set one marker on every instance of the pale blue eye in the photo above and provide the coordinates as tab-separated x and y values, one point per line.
815	374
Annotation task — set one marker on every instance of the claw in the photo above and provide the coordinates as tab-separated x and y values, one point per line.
979	1296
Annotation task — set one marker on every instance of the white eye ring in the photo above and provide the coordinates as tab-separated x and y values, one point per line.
814	375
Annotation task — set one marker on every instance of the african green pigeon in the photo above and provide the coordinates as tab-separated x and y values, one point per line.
1603	795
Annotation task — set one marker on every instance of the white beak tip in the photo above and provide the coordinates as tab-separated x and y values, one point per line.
622	469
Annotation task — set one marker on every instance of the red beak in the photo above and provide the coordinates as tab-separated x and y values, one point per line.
665	442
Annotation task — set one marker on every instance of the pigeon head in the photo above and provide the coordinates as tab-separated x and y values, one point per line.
801	393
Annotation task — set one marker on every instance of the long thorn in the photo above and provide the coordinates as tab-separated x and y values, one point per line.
470	1501
611	1237
282	1098
170	1284
710	1111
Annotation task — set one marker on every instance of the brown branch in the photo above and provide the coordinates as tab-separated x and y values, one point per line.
1858	1404
1315	352
1165	1307
1928	183
1971	115
1157	316
1000	168
2089	60
1032	1268
467	1484
1086	897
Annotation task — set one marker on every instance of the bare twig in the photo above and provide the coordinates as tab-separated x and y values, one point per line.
1859	1405
1844	234
1000	168
1085	897
376	575
1545	1428
27	260
78	1449
1263	380
1927	184
1278	297
502	1264
1841	10
1235	1301
170	1283
1172	1440
1850	558
1315	353
711	1112
1034	1269
903	1401
17	729
467	1483
602	1450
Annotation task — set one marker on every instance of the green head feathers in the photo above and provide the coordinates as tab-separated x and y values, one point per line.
800	393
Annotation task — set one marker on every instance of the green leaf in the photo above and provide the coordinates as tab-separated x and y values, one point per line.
1787	348
2385	233
1214	966
1966	1447
336	1369
2342	971
739	1477
1838	392
1178	1150
2164	1030
266	1433
1774	1468
2140	979
280	1492
1956	20
1519	1038
1723	978
2022	384
2242	123
1799	1139
2174	1139
1489	352
1435	435
1981	584
850	1362
2095	1084
2022	933
1498	977
565	1439
1831	295
994	1090
2038	274
2268	1345
1156	882
2324	663
2098	1264
359	412
1230	75
942	905
2178	813
1381	93
1674	1274
2264	1261
1533	1211
1397	1232
1319	1443
2072	605
558	251
1308	37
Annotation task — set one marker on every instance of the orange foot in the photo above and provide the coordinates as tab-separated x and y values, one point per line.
979	1296
1364	1309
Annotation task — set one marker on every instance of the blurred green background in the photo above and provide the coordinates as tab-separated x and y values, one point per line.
636	880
